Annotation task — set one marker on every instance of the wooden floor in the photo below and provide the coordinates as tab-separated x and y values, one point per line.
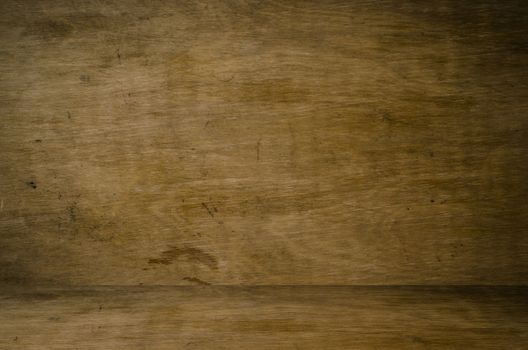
179	149
297	317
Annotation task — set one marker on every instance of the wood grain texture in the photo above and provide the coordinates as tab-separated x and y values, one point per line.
189	317
263	142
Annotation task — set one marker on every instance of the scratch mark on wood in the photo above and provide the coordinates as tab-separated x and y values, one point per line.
208	210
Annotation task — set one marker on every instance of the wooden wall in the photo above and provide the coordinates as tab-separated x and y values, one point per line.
263	142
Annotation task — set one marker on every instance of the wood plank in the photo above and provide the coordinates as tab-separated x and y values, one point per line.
263	142
190	317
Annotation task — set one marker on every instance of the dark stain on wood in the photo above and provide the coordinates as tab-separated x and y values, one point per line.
189	254
196	281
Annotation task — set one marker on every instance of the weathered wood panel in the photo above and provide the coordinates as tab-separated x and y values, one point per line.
263	142
189	317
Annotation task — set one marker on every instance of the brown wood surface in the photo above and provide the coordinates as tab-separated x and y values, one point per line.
263	142
280	142
193	317
156	155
